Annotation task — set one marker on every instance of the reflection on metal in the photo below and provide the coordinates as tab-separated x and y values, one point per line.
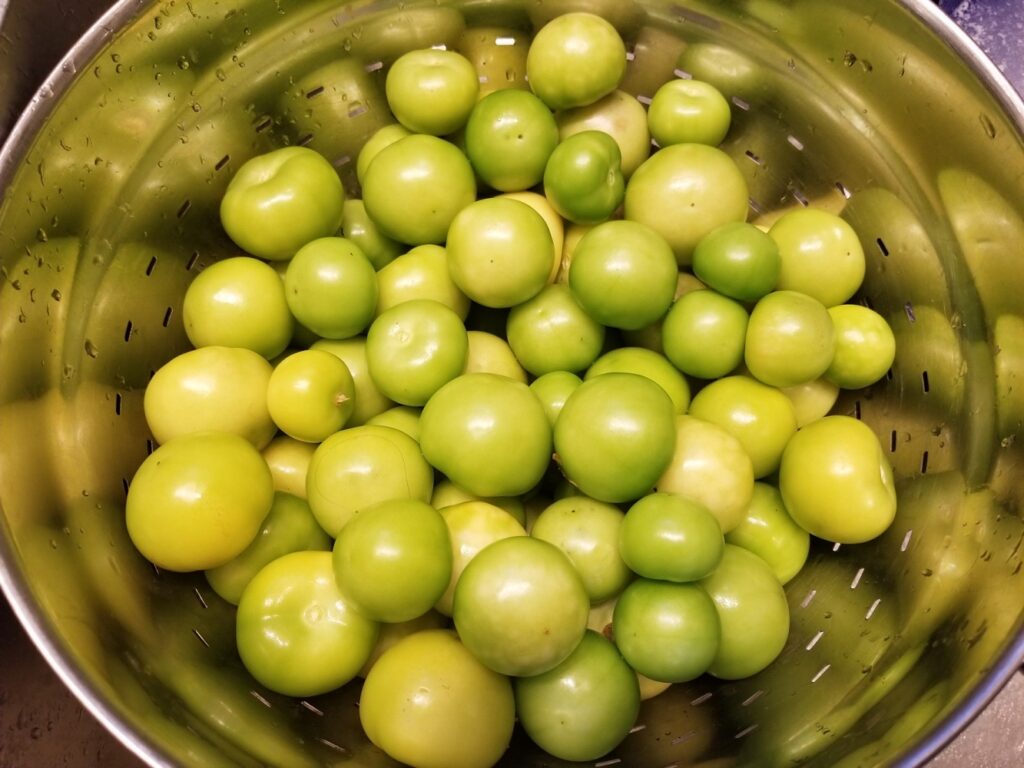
110	208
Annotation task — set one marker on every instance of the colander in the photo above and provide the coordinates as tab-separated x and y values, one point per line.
879	110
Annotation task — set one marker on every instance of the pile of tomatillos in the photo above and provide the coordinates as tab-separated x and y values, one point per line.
534	428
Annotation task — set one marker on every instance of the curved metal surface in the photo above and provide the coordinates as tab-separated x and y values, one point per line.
996	17
22	70
952	316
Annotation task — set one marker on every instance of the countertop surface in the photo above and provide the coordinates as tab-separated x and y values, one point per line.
42	724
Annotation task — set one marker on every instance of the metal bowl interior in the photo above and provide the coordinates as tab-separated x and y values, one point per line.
877	110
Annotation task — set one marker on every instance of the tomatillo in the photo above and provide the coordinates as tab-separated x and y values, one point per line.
837	482
279	201
583	178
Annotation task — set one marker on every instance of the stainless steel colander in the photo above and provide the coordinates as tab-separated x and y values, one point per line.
877	109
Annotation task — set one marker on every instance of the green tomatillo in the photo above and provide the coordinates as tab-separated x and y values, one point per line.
583	178
279	201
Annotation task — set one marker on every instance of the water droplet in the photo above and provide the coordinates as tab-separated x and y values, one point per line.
90	348
183	62
220	74
56	295
926	572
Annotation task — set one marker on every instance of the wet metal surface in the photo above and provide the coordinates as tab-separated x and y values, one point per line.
42	724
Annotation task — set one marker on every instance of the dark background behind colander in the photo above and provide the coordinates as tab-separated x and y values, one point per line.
42	724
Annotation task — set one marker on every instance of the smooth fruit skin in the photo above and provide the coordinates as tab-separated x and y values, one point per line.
509	137
288	460
415	348
574	60
738	260
624	274
752	611
520	606
238	302
762	418
865	346
645	362
556	224
500	252
489	353
404	418
688	111
369	400
769	531
198	501
358	228
710	466
381	138
670	537
551	332
790	339
588	532
584	707
420	273
429	703
279	201
488	434
393	560
288	527
811	400
432	91
615	436
295	631
310	395
414	187
553	389
621	116
836	481
218	389
683	192
820	255
472	525
704	334
666	631
361	466
583	178
331	288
